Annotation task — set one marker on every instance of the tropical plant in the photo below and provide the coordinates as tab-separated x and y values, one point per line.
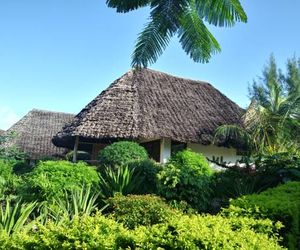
14	216
272	121
186	177
121	153
8	150
9	182
281	203
139	210
73	203
50	178
186	18
123	180
147	171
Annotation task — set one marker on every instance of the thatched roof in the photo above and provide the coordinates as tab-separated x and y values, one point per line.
147	104
35	131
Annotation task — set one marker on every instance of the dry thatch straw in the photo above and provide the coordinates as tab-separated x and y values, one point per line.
33	133
147	104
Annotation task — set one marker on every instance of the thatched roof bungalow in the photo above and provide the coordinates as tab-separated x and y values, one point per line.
33	133
161	111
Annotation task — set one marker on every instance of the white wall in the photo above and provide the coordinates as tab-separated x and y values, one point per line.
165	150
229	154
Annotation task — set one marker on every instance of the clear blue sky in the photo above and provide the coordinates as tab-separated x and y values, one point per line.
59	54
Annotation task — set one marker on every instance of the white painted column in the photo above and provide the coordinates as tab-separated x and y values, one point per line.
75	149
165	150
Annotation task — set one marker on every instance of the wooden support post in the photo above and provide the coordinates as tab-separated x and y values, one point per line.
75	148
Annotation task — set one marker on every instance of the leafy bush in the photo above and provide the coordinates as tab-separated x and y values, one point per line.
8	180
50	178
186	177
147	171
122	180
85	232
208	232
20	168
278	168
137	210
122	153
278	204
179	232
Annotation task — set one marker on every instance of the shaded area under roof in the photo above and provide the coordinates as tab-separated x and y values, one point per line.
148	104
35	131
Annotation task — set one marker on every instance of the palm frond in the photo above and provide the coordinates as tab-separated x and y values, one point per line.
221	12
195	38
232	132
124	6
152	41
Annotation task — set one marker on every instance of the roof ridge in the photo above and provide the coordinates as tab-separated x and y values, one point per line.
49	111
175	76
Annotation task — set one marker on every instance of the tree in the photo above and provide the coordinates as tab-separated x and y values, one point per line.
185	18
272	121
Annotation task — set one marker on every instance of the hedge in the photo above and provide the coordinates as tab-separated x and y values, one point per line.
278	204
52	178
180	232
136	210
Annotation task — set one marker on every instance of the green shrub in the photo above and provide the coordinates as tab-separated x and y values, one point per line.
122	153
20	168
187	177
86	232
278	204
51	178
207	232
9	182
137	210
147	171
278	168
179	232
122	180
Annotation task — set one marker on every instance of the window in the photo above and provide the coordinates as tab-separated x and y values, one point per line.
177	146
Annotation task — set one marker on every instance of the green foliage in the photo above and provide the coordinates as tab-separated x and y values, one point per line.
147	171
50	178
272	121
137	210
278	204
8	181
179	232
184	18
8	151
121	153
278	168
233	183
187	177
74	203
208	232
85	232
21	168
14	216
123	180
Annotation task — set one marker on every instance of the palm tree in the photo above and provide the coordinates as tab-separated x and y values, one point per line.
272	121
185	18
